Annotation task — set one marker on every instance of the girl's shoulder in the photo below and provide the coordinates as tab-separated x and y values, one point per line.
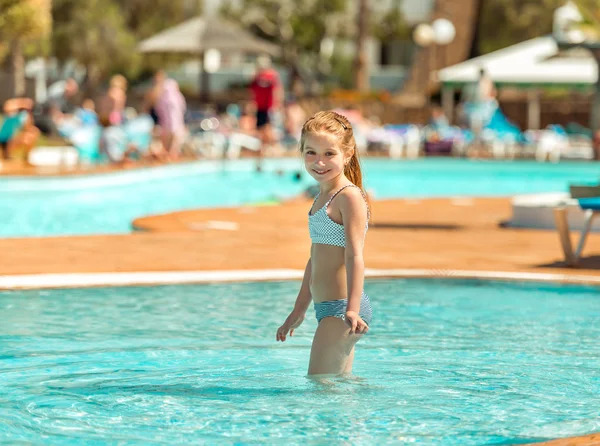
352	198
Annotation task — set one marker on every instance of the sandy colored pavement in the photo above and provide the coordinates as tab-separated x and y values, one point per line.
462	234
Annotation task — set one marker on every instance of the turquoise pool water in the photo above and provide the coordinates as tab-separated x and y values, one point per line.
445	363
108	203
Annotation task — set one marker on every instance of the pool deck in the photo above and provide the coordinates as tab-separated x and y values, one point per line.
439	237
432	234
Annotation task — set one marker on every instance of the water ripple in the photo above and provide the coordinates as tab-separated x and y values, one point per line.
446	362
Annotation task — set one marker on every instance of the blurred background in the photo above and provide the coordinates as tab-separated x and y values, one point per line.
99	86
393	61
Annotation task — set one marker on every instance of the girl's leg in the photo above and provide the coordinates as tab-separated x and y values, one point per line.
349	362
332	347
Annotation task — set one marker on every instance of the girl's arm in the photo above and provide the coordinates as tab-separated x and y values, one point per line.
296	317
304	297
354	218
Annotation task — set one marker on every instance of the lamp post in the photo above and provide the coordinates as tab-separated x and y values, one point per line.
441	32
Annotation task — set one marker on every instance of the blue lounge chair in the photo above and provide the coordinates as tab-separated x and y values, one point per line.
591	208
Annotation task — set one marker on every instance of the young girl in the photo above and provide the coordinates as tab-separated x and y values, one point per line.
337	222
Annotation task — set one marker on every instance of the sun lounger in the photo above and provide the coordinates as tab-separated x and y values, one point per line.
139	132
591	207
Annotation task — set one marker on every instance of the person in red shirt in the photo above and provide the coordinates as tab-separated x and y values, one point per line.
267	94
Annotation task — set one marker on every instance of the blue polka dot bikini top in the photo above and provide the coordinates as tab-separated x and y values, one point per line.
323	230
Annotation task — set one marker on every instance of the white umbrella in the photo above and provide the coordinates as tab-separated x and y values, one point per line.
200	34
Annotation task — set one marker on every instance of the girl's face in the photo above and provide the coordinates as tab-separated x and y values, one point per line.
323	159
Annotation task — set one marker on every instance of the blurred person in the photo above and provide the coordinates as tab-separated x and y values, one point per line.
18	127
119	151
87	113
28	137
153	94
247	119
66	103
480	101
59	106
438	120
244	135
294	118
337	222
170	109
267	94
485	87
112	104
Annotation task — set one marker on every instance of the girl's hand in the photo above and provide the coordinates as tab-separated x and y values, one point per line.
357	325
292	322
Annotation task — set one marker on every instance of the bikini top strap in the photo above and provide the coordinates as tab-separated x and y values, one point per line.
313	205
361	192
338	191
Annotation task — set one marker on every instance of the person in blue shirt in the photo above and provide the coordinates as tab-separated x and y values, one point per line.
87	113
16	113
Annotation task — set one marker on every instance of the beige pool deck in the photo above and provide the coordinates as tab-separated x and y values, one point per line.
440	236
434	234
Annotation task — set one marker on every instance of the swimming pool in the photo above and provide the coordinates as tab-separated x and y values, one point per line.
446	362
108	203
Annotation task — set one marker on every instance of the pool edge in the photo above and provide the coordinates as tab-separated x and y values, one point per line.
83	280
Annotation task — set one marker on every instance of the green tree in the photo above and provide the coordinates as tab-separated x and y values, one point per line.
94	34
144	21
507	22
298	27
102	34
389	23
591	18
22	21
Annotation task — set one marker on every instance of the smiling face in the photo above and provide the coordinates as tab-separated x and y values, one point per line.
323	159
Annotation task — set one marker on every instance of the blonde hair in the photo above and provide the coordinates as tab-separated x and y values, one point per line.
118	81
337	125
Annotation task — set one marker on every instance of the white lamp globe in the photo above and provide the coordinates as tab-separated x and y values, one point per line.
424	35
212	60
444	31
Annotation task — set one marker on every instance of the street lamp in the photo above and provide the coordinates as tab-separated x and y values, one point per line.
441	32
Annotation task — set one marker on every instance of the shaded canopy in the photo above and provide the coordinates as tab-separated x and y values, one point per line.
536	62
200	34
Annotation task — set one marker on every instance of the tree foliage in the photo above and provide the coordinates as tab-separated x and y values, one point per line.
94	34
28	19
102	34
298	27
507	22
591	18
389	23
144	21
22	22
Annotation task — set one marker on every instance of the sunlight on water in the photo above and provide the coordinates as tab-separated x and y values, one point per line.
109	203
445	362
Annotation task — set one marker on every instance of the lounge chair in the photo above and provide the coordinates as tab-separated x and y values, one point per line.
591	207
